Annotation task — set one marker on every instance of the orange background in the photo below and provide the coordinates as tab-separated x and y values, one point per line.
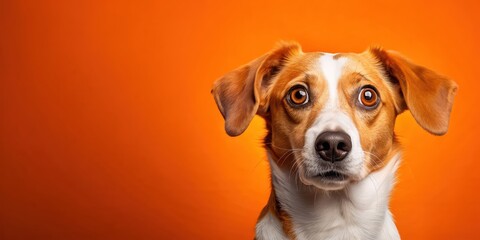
108	129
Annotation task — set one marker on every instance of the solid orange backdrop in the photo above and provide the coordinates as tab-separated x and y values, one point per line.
108	129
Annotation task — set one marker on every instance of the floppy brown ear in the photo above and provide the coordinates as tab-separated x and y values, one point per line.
239	94
427	94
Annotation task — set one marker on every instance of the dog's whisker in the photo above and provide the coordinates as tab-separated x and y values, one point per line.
376	160
284	157
271	144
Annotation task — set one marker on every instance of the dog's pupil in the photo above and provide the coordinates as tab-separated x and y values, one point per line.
300	94
368	95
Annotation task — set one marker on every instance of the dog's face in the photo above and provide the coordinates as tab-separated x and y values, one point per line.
331	116
339	111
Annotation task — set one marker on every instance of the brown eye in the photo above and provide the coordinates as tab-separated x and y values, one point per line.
298	95
368	97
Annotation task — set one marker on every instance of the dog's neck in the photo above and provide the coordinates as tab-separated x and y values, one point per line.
359	211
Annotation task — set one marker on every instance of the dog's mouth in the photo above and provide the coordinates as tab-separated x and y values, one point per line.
328	180
332	176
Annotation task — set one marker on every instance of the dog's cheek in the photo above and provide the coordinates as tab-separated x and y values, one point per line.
377	138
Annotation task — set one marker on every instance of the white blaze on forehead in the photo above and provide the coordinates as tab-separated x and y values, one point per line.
331	69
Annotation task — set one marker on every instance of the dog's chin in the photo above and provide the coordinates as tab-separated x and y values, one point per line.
329	181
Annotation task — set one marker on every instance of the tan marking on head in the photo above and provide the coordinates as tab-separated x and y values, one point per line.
289	124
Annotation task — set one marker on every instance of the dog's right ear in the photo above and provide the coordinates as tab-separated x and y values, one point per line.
241	93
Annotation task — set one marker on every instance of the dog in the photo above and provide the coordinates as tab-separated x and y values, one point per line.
331	146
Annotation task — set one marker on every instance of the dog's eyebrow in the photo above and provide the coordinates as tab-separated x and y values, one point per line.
361	76
307	77
302	78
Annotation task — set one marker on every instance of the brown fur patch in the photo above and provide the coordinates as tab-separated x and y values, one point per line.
427	94
273	207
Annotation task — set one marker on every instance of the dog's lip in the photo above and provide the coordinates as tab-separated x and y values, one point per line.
331	179
331	175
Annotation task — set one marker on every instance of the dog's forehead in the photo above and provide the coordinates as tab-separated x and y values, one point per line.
328	69
331	66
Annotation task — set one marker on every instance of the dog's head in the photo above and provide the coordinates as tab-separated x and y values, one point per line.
331	117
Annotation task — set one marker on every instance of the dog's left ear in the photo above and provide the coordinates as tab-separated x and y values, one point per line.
240	94
427	94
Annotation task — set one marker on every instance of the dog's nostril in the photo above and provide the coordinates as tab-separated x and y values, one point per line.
333	146
325	146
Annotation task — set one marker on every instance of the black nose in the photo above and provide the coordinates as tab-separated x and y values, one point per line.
333	146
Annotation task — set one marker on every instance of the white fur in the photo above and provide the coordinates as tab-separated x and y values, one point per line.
269	228
331	69
359	211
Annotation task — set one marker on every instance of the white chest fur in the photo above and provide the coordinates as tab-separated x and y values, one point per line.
357	212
